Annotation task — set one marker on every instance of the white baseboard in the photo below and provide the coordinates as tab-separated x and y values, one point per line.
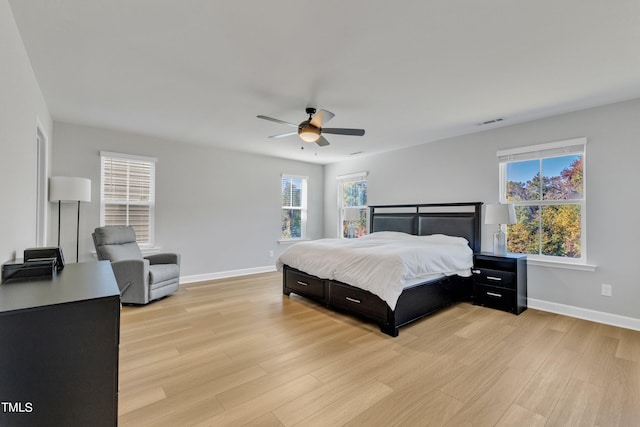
226	274
551	307
586	314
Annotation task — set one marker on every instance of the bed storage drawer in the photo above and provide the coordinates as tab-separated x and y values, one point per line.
305	284
357	300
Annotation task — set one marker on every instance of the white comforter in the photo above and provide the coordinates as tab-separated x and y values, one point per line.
382	263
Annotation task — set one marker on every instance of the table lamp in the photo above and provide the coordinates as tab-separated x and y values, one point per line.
500	214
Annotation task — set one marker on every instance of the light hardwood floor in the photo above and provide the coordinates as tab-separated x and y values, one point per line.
237	352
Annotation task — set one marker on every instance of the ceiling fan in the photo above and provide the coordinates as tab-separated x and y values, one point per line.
311	130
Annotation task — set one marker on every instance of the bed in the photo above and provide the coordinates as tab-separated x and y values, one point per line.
417	298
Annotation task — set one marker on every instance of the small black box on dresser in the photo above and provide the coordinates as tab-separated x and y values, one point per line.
500	281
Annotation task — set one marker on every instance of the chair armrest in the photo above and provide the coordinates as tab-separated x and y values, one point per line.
165	258
132	276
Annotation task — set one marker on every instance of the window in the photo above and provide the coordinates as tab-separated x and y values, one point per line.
294	207
545	183
352	205
127	193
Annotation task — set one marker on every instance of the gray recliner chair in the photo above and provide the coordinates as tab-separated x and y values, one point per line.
140	279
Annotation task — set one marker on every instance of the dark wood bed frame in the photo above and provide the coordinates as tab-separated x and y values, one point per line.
417	301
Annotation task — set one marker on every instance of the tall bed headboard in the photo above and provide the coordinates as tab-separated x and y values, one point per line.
453	219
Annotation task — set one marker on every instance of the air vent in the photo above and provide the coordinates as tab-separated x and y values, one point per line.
489	122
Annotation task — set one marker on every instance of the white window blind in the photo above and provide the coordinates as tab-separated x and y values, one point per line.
127	193
352	177
542	151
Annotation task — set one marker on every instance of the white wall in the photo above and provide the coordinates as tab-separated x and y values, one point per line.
21	107
466	169
220	209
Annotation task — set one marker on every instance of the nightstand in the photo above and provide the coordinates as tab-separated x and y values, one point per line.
500	281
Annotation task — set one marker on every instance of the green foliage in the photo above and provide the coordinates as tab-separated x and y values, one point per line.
561	231
523	236
547	229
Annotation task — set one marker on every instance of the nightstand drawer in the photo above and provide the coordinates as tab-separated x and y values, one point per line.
494	297
305	284
492	277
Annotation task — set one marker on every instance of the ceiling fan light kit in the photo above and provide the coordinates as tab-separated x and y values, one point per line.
308	132
311	130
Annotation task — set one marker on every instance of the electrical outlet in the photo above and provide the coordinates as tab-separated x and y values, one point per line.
606	290
271	253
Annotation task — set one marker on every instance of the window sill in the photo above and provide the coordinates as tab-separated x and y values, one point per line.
290	241
561	264
150	250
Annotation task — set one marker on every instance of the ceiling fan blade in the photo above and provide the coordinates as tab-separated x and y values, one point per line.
282	135
321	117
322	141
344	131
271	119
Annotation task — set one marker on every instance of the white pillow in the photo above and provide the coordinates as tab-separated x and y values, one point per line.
443	239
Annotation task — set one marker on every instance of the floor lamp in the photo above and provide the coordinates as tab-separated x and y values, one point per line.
70	189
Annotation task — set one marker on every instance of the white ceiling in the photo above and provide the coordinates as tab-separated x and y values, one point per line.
409	72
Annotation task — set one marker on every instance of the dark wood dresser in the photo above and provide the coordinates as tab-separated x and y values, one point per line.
59	348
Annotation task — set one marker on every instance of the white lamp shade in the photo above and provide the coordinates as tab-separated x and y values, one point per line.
69	189
500	214
351	214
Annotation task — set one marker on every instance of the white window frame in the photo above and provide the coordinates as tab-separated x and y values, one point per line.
152	192
341	180
544	151
302	208
42	189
